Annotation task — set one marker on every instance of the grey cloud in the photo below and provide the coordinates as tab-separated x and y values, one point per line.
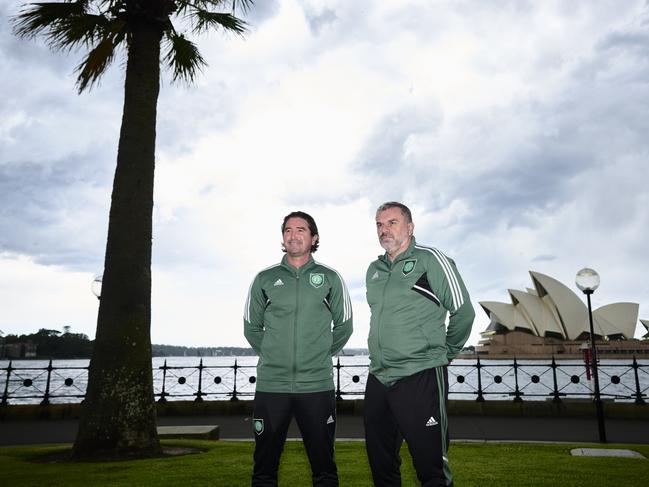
626	40
544	258
349	24
33	54
633	36
587	128
515	164
381	162
51	126
186	114
55	213
532	177
385	151
320	20
262	11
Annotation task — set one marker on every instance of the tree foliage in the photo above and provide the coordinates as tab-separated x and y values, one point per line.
52	344
104	27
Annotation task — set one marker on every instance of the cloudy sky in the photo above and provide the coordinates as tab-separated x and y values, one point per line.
515	130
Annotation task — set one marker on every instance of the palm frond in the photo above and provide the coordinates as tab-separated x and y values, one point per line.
95	63
64	25
83	30
204	20
37	18
243	5
183	58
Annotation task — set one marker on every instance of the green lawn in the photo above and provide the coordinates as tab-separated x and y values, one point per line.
229	463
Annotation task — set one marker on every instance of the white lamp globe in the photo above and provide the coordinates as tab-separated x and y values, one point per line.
587	280
96	285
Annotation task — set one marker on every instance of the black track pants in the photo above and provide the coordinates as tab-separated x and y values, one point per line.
315	414
413	409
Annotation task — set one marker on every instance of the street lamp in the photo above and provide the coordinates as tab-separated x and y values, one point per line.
96	286
588	280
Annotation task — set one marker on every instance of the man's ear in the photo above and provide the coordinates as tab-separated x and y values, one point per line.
411	229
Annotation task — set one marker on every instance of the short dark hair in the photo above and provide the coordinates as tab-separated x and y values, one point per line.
405	211
313	228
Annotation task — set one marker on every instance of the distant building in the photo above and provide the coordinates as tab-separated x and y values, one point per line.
18	350
550	319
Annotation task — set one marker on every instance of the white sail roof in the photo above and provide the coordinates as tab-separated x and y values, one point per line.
621	319
571	310
537	313
645	323
506	315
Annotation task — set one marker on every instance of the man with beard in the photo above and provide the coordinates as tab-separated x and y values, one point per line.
288	321
411	289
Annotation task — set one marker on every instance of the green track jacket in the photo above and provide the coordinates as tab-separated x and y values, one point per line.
288	322
409	300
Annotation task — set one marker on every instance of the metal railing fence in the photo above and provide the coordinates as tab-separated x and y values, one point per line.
513	380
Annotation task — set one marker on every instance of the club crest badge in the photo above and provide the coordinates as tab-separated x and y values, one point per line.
316	279
258	425
409	266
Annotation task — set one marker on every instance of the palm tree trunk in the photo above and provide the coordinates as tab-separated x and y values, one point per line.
118	418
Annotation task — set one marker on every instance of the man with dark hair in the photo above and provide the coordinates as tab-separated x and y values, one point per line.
313	228
411	289
288	322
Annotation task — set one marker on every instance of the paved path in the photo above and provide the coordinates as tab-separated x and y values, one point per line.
475	428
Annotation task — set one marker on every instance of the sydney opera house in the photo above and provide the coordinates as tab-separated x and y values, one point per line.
551	320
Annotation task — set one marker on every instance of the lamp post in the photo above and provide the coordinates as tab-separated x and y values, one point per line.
588	280
96	286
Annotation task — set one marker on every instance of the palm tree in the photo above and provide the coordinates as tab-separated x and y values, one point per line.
118	418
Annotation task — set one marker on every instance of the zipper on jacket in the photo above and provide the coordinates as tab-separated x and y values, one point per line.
297	303
378	338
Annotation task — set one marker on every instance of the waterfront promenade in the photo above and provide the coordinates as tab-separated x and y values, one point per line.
471	422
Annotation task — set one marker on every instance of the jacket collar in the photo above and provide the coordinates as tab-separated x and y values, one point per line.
403	255
309	264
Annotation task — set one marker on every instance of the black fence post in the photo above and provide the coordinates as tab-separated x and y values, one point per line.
163	394
555	391
234	389
638	392
5	396
480	397
199	393
517	392
46	397
339	396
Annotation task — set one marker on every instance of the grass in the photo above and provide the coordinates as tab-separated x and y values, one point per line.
229	463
